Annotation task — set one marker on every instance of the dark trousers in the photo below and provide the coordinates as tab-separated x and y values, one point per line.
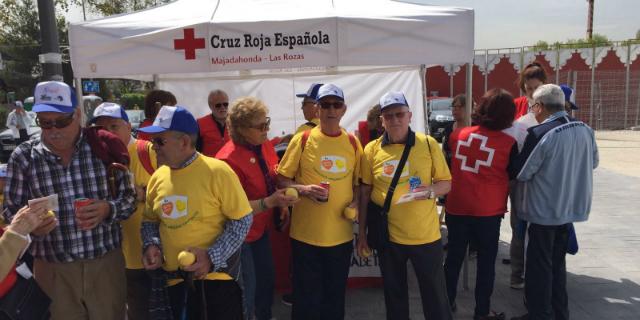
138	290
486	233
427	264
546	272
319	280
209	300
258	278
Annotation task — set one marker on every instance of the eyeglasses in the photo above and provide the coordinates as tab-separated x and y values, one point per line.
59	123
335	105
390	116
222	104
159	141
262	126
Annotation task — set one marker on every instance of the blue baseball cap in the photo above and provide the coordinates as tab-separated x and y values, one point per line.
312	92
54	96
328	90
569	96
393	98
173	118
111	110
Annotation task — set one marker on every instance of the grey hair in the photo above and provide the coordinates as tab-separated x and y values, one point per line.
217	92
551	96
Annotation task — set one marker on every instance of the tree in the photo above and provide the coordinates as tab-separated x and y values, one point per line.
111	7
20	44
638	34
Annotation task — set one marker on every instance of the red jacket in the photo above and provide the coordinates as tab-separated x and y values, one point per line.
522	106
479	177
363	130
9	280
245	164
212	142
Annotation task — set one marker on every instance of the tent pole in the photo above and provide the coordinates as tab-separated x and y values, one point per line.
78	84
423	78
155	81
469	96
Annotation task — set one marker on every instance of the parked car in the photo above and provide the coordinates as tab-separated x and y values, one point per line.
439	111
7	141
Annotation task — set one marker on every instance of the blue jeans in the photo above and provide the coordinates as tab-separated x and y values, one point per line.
258	278
319	280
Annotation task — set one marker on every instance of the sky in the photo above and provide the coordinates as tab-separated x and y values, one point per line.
528	21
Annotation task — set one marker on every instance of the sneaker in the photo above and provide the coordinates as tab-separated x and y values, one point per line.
517	285
287	299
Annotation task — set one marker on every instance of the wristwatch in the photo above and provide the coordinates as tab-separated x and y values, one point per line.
431	194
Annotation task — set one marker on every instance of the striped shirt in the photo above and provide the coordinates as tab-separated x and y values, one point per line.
34	171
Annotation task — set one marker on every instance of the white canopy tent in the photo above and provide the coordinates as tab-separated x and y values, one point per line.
273	49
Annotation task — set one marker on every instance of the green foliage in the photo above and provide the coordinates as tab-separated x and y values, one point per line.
638	34
597	40
541	45
130	100
111	7
20	44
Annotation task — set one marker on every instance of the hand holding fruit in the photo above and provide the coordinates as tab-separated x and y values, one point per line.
282	198
202	265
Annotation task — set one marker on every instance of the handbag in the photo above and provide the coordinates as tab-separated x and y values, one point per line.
25	301
377	216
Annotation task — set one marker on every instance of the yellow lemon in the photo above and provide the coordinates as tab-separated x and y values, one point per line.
350	213
180	205
291	192
50	213
186	258
366	253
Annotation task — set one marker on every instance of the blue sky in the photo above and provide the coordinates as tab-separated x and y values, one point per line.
526	22
514	23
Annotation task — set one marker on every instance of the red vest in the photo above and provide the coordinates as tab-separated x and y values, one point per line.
363	130
522	106
141	135
9	280
212	142
479	178
245	164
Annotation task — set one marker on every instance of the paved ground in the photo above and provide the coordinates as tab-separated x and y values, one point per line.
603	278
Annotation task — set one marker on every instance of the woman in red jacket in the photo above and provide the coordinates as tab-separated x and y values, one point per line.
531	77
252	156
477	201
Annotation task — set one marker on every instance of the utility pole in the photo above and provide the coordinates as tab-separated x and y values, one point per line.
50	58
590	21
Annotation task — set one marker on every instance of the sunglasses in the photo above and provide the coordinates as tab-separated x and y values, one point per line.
59	123
220	105
335	105
262	126
398	115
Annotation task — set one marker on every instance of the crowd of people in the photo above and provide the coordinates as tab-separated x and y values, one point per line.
176	224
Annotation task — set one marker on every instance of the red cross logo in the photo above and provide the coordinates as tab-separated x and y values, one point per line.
189	44
474	151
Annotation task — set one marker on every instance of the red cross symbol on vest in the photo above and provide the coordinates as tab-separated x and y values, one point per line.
189	44
474	153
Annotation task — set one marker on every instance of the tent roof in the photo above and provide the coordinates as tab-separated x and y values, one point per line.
325	33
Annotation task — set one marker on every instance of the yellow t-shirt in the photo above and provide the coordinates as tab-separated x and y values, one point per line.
414	222
192	205
325	158
131	237
305	126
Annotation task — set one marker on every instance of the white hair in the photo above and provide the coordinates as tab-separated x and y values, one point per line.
550	96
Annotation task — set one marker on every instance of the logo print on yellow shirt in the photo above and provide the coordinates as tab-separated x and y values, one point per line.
333	164
174	207
389	168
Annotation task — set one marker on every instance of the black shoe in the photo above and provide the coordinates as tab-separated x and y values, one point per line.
287	299
491	316
454	307
522	317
